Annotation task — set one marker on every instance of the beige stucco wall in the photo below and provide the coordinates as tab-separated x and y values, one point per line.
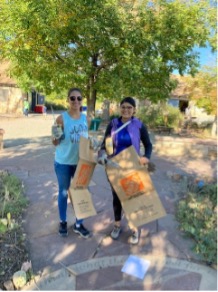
11	100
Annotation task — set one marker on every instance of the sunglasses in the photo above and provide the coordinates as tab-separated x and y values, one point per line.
126	107
73	98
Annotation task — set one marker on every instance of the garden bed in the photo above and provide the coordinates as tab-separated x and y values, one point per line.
13	252
197	215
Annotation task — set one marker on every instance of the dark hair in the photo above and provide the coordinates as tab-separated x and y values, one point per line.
129	100
74	89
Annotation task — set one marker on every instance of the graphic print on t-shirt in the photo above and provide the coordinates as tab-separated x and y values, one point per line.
76	131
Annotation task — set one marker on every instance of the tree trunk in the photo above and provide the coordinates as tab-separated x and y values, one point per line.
214	128
92	95
106	110
91	101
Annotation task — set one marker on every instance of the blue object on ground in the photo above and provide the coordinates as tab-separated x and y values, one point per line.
200	183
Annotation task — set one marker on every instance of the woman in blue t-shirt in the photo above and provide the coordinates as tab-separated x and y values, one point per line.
66	133
132	134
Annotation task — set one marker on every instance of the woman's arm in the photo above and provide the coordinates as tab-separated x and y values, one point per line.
146	142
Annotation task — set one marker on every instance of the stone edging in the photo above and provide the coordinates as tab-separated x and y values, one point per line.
65	278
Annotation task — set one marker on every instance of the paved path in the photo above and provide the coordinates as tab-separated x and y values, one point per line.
74	263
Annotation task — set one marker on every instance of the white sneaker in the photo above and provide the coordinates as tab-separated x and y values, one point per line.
116	232
134	238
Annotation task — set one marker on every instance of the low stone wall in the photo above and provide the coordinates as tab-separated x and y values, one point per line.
178	146
11	100
189	147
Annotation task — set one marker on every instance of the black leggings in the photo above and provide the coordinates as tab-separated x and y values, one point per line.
116	206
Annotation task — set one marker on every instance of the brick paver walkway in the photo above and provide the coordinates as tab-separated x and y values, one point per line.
73	263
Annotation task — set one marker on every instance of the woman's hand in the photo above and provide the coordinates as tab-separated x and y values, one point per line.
55	141
151	167
57	132
144	160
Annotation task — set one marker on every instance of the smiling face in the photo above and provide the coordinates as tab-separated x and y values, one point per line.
127	111
75	100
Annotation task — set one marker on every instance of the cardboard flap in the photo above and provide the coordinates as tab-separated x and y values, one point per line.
85	152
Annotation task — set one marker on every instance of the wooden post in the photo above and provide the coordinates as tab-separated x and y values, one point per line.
1	138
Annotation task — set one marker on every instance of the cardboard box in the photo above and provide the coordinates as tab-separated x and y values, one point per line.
134	187
79	195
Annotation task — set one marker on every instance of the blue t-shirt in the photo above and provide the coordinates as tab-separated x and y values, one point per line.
67	152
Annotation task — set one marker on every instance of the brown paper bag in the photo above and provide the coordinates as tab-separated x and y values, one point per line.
82	203
86	165
79	195
83	174
134	187
85	152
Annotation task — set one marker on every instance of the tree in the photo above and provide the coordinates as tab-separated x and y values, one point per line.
203	89
109	47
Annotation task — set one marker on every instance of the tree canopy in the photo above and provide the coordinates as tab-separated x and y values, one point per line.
107	47
203	89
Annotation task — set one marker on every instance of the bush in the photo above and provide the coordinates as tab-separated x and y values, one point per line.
56	105
114	116
205	103
197	215
12	199
175	117
160	115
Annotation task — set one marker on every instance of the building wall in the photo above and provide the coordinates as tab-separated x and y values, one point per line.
11	100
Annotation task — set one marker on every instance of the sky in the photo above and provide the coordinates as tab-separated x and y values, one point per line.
206	57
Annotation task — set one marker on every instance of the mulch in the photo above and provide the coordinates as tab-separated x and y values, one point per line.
13	253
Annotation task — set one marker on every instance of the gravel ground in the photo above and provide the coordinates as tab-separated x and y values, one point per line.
34	126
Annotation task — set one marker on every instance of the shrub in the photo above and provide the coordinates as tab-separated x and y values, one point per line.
197	215
175	117
114	116
205	103
56	105
12	199
160	115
